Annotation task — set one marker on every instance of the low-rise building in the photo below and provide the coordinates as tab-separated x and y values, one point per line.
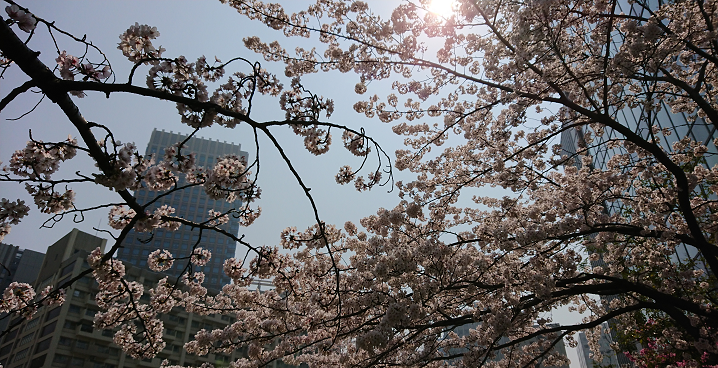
64	336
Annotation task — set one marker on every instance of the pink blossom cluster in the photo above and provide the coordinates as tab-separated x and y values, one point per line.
217	218
120	308
71	66
10	214
136	43
24	19
229	180
129	168
50	297
302	107
18	298
200	256
40	160
49	201
160	260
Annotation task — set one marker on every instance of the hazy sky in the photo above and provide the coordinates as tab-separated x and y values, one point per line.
192	29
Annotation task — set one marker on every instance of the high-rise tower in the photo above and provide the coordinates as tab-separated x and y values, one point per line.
191	204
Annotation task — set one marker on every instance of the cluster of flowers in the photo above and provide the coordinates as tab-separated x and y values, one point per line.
217	218
119	301
136	43
312	238
71	66
18	297
241	87
120	217
25	20
229	180
10	214
49	201
183	78
128	167
300	107
38	161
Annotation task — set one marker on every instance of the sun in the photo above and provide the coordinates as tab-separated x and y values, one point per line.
442	8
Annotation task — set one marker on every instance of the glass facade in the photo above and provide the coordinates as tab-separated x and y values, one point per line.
191	204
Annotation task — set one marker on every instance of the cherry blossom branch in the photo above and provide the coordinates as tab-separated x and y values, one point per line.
16	92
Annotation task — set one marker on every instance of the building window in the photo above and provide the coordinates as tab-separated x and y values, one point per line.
48	329
5	349
53	314
79	294
65	341
74	309
77	362
38	362
21	355
43	345
30	325
81	344
25	339
61	359
11	335
70	325
67	269
86	327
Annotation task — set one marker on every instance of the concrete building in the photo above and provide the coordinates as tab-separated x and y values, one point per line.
64	336
18	265
21	265
192	204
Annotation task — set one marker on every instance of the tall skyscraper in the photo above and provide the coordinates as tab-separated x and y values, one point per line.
641	121
585	357
191	204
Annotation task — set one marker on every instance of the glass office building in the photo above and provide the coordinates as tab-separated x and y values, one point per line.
191	204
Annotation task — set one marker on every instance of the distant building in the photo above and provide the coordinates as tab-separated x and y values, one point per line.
18	265
560	347
610	359
64	336
192	204
21	265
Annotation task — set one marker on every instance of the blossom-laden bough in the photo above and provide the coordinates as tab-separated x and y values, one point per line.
617	221
121	168
511	80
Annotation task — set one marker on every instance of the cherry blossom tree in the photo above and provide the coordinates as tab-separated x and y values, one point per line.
507	81
122	169
488	94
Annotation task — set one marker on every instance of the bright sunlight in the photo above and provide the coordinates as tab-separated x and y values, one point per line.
442	8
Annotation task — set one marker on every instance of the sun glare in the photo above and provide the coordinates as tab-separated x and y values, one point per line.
442	8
